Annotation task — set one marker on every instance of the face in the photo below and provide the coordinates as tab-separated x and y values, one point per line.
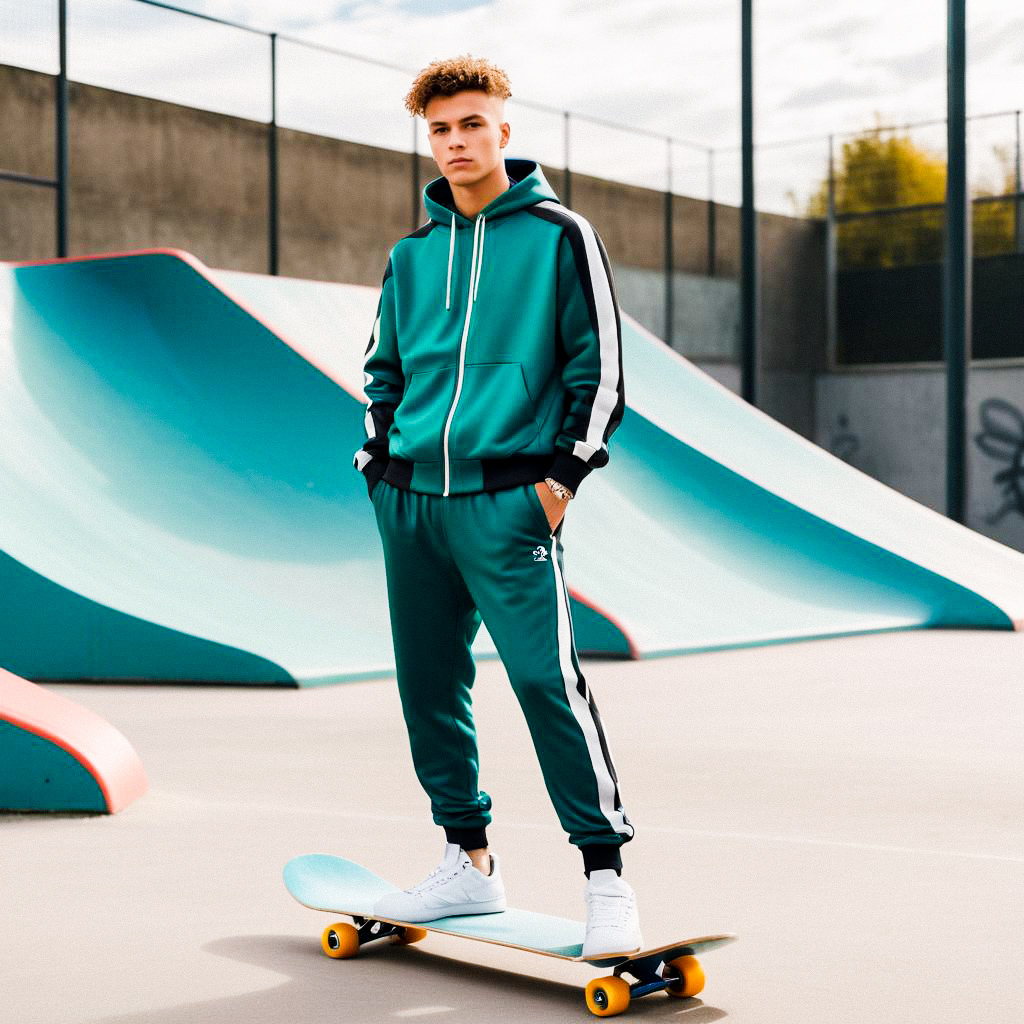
469	127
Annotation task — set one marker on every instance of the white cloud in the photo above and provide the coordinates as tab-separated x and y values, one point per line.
667	66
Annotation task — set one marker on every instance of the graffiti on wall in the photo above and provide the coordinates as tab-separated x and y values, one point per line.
844	443
1002	438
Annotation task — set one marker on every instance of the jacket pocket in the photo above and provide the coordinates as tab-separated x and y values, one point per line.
419	417
495	415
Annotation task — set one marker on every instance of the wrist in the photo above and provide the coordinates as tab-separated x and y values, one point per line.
559	490
568	469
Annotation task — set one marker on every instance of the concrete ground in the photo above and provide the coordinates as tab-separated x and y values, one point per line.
852	808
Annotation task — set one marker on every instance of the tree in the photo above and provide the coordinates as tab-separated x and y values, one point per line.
992	223
884	168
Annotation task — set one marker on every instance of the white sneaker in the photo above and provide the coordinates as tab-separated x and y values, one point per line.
613	924
454	887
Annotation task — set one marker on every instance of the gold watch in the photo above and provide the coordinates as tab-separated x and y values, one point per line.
558	489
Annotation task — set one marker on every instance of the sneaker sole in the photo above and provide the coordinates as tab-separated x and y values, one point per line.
456	910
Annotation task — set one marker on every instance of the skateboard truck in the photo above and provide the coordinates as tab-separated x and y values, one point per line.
342	940
681	977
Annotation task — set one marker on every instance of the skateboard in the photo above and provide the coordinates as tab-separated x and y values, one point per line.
340	886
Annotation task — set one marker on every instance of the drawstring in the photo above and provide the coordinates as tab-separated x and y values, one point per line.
480	261
474	274
451	253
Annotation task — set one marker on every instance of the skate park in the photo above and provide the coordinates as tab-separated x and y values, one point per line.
809	674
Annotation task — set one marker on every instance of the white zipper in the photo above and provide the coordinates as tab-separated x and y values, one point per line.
474	274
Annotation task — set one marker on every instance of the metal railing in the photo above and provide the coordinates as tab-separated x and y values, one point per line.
60	183
570	127
835	218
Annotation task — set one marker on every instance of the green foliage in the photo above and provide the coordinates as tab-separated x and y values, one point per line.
883	169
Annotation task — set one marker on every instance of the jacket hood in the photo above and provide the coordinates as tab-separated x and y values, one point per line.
530	187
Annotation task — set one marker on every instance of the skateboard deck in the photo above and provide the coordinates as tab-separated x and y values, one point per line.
339	886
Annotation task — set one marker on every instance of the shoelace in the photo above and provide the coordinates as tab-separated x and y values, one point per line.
605	909
436	877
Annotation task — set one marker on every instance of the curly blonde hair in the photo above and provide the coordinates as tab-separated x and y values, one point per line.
452	75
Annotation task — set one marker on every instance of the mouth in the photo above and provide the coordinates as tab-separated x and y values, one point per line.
463	160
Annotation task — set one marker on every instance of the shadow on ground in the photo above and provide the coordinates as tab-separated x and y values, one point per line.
392	981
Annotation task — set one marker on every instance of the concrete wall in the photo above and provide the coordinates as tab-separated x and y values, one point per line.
891	424
706	317
705	310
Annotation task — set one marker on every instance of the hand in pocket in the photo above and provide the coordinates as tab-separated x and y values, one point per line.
554	507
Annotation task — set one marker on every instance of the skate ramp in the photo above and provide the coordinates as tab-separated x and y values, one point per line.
179	498
181	503
713	525
58	756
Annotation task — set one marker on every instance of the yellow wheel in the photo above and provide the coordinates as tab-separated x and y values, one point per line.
689	977
409	935
607	996
340	941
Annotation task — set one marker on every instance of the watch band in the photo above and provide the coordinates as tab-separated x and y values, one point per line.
558	489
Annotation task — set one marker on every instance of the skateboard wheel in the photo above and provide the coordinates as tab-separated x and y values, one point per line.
410	935
340	941
607	996
689	977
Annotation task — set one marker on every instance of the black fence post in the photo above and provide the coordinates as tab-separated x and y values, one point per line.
414	178
272	196
712	217
567	178
749	319
831	265
669	257
956	303
1018	214
62	157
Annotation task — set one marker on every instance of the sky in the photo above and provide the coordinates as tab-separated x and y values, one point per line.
669	67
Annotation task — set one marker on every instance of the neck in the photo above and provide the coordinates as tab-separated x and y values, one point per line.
471	199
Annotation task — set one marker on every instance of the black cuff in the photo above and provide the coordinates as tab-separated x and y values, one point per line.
601	855
373	472
467	838
568	469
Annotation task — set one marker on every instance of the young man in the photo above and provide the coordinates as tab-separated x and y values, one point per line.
494	381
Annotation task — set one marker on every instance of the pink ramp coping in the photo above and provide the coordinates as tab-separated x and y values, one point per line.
56	755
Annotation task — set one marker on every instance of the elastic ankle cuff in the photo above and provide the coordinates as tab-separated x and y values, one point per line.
467	838
601	855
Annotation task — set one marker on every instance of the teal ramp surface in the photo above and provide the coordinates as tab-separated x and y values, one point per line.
713	525
180	501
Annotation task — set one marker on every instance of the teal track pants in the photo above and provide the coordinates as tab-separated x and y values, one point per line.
492	556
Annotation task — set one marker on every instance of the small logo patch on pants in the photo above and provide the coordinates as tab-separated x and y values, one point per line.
540	554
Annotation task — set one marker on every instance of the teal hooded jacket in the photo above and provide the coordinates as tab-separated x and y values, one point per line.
496	354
